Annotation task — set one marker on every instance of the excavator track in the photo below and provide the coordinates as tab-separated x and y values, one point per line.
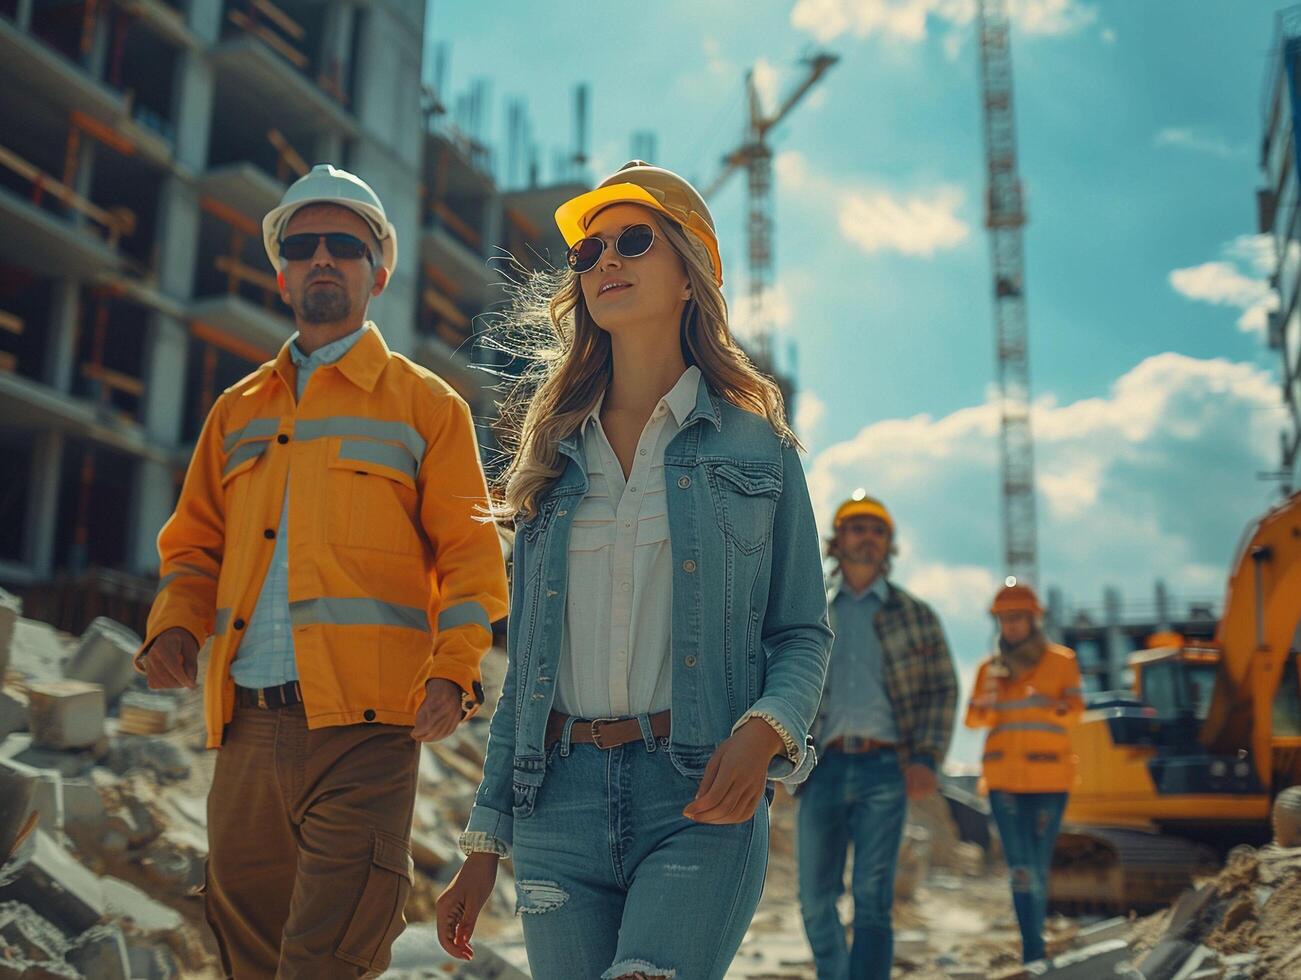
1117	870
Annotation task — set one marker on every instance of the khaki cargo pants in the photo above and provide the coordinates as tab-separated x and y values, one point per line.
309	833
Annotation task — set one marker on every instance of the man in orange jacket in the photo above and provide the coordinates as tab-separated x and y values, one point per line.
329	538
1028	695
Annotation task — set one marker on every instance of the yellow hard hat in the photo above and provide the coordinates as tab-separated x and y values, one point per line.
637	182
860	504
1164	638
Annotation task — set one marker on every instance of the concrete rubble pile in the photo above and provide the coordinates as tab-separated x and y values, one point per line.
103	816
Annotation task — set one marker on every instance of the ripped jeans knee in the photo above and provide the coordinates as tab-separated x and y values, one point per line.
536	897
637	970
1024	879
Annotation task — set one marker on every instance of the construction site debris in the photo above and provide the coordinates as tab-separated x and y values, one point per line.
65	714
104	657
1287	817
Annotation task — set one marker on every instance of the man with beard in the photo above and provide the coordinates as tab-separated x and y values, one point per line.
328	537
882	731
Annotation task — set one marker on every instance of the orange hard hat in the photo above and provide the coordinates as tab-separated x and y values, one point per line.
860	504
1165	638
1015	597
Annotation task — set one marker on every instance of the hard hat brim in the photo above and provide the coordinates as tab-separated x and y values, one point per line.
274	223
863	508
573	216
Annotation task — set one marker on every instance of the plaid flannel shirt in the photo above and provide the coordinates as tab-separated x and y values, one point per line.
920	679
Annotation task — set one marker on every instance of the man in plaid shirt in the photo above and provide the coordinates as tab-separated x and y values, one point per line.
882	731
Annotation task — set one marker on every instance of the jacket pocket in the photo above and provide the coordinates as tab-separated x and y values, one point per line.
377	918
745	496
236	478
373	501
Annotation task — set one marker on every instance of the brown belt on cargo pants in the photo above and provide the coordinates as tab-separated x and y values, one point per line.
309	862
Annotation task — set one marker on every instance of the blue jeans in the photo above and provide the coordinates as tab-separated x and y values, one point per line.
1028	825
858	799
612	879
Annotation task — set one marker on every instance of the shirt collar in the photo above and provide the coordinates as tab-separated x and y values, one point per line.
879	589
361	360
327	354
681	398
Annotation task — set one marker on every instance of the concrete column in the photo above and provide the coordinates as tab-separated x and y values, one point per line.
151	504
192	108
336	43
43	502
177	236
23	16
166	345
97	59
204	20
61	340
328	148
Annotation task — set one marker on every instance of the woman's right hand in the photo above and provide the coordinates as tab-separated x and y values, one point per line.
458	907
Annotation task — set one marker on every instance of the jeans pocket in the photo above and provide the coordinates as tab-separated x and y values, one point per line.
377	918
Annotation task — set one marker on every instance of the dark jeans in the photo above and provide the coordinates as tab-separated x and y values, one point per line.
858	799
1028	824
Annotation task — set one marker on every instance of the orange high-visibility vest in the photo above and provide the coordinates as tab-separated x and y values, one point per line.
394	576
1028	749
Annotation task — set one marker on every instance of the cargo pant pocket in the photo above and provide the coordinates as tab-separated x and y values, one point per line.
377	918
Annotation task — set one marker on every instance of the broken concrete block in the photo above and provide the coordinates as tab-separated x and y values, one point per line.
11	609
27	970
65	714
432	854
1201	958
1188	908
176	860
104	657
129	825
29	935
125	902
46	795
161	757
150	961
57	886
1104	959
100	952
1117	928
82	804
146	714
37	652
1164	960
13	712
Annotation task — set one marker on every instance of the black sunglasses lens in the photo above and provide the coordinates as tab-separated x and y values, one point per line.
300	248
297	248
343	246
585	254
635	240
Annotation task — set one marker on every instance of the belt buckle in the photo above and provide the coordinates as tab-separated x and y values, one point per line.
596	732
261	697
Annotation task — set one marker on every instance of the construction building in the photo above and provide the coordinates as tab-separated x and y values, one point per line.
1104	636
141	141
1280	217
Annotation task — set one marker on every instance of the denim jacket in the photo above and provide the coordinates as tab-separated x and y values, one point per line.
749	629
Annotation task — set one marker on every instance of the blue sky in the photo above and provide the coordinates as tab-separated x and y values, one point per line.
1139	122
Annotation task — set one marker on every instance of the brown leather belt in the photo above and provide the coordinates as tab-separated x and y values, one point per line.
853	745
604	733
281	696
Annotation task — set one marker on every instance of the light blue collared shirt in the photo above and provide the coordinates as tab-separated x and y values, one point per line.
856	700
266	654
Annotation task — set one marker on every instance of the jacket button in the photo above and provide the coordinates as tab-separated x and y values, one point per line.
282	438
268	534
369	714
689	566
684	482
690	661
238	624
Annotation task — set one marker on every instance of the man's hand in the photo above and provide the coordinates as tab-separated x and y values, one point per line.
440	712
919	781
734	780
172	660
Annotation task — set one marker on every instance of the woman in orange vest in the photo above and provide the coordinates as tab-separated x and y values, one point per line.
1028	694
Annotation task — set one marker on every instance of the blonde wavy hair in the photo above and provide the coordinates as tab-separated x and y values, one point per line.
548	325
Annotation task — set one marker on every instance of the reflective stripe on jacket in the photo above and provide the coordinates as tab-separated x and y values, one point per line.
394	578
1028	749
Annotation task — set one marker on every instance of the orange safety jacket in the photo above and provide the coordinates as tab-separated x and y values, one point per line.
1028	749
394	575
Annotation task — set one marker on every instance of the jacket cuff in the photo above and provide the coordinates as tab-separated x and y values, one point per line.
477	842
485	823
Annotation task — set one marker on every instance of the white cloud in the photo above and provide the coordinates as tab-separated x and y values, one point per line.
1108	36
1224	283
765	76
810	410
910	20
1155	478
778	307
874	219
1189	138
916	224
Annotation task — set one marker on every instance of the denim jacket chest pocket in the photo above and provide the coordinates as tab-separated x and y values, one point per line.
745	495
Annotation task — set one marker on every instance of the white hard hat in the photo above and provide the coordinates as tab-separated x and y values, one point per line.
325	184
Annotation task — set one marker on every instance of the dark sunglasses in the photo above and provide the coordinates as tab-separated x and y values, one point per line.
301	247
633	241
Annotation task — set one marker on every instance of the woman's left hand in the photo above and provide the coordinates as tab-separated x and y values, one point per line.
734	780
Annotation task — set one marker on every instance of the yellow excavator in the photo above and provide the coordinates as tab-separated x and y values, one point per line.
1185	765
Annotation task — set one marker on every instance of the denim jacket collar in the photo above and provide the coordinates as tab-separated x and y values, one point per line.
707	408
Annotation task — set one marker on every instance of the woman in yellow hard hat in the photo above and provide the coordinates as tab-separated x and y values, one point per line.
660	675
1028	695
